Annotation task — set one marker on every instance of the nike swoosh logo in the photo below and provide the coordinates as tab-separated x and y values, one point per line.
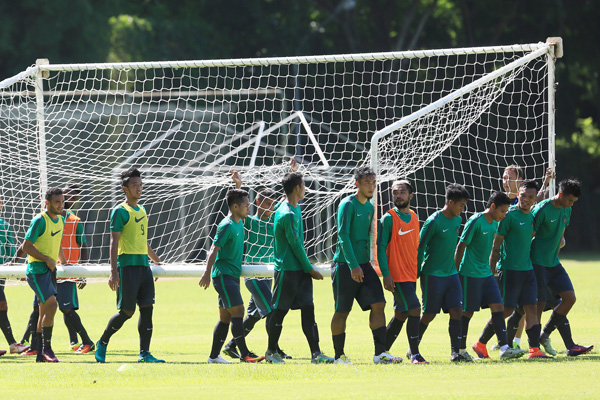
552	220
521	223
485	233
404	233
55	233
138	220
65	304
358	215
445	230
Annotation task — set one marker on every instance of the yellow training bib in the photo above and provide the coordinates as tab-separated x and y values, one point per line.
134	237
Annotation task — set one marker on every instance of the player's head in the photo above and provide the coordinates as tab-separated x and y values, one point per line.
364	178
498	205
569	192
131	181
527	194
55	200
293	183
265	201
72	193
238	203
402	193
511	179
456	198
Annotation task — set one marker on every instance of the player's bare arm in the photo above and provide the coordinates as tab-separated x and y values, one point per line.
113	279
210	261
495	256
458	255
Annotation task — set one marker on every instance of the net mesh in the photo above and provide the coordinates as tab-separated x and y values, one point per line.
186	127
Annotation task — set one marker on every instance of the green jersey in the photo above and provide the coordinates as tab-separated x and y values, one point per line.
120	217
259	240
478	235
517	229
437	245
354	232
230	239
549	223
7	242
37	229
290	254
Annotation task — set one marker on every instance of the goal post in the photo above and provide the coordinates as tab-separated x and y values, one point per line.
434	117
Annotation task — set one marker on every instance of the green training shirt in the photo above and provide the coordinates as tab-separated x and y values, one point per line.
549	224
478	235
437	245
259	239
37	229
517	228
384	235
7	242
353	231
118	218
289	251
230	239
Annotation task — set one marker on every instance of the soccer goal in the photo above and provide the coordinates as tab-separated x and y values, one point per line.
433	116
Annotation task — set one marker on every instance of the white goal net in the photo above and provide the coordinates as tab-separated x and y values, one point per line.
434	117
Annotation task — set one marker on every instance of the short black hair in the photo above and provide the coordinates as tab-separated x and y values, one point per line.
290	181
518	170
570	186
456	192
362	172
53	192
267	193
403	182
529	184
235	196
499	199
132	172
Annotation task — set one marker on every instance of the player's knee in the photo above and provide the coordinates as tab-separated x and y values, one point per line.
3	306
569	298
378	307
340	316
237	311
497	307
455	313
413	312
127	313
66	311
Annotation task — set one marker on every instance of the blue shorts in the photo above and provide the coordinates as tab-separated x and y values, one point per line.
479	292
2	295
292	290
440	293
136	287
43	285
405	296
346	289
67	295
229	292
261	302
518	288
554	278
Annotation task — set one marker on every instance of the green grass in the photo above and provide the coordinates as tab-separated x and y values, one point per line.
184	319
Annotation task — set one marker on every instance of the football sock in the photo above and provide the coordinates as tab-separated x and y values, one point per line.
512	325
237	331
36	341
309	327
249	322
533	335
5	326
145	327
465	328
455	331
70	328
554	320
31	325
379	340
392	331
488	332
219	336
517	341
275	327
47	337
564	328
114	324
499	327
422	329
338	344
77	327
412	331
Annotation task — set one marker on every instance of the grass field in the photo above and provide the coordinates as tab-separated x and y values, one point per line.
184	318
